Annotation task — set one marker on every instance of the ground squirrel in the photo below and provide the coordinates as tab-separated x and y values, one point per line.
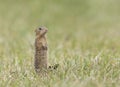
41	61
40	49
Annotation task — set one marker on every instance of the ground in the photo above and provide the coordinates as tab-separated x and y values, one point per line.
83	38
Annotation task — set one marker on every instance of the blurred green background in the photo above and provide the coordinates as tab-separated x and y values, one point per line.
79	31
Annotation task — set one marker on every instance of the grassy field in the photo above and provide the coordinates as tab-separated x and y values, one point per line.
83	37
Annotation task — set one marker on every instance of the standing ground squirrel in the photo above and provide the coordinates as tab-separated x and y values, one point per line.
40	49
41	61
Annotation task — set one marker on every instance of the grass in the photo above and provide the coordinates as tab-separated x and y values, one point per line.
83	38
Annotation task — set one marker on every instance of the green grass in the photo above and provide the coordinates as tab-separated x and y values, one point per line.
83	37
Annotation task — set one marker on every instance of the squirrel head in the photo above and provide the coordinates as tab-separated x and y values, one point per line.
41	31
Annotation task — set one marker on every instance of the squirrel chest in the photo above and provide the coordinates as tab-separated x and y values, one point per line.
41	44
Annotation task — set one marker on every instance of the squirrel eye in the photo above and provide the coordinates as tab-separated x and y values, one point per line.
40	28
